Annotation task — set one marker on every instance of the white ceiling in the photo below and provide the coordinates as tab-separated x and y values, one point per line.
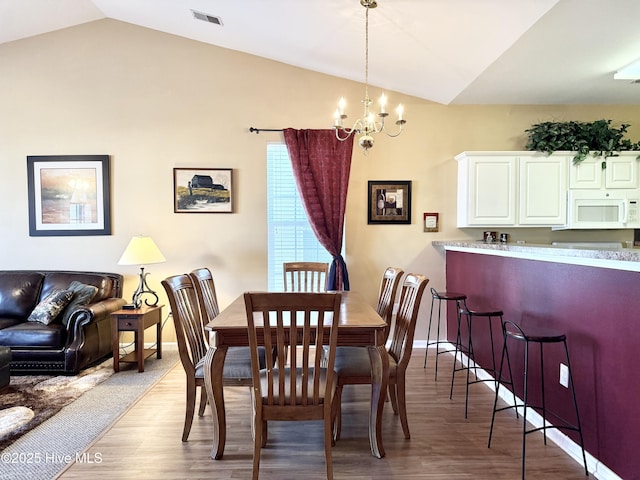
446	51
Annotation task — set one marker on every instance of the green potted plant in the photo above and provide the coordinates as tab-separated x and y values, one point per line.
598	138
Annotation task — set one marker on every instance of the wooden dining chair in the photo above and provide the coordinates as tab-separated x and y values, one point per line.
206	290
353	366
391	278
303	390
237	362
305	276
193	346
387	294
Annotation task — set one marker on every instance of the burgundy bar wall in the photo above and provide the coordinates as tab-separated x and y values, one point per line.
598	309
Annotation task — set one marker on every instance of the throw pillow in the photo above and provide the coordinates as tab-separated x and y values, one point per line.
49	308
82	295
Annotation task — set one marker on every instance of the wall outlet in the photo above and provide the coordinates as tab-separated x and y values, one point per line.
564	375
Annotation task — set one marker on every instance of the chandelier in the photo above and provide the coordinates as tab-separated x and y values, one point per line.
368	125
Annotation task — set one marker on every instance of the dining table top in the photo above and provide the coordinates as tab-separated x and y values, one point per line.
359	325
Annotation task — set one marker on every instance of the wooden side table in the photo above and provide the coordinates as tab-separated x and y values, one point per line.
136	321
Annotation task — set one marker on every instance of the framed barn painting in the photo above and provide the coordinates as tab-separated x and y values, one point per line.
203	190
69	195
389	202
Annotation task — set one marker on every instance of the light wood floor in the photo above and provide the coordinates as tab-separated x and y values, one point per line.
145	442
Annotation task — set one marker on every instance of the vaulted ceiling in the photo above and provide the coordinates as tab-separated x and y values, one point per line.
445	51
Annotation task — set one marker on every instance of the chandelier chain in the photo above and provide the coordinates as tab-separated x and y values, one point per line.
368	125
366	56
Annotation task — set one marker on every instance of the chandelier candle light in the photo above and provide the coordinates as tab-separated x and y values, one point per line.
142	251
367	126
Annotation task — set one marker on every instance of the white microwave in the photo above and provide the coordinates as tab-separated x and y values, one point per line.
602	209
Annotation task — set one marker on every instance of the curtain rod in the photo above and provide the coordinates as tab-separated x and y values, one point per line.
258	130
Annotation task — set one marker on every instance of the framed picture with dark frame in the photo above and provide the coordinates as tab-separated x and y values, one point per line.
203	190
389	202
69	195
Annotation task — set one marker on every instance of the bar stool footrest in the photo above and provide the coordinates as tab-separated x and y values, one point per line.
549	427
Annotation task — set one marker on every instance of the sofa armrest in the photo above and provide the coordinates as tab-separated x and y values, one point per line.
94	312
89	333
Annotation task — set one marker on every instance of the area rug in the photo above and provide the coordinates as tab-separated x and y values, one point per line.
32	399
46	450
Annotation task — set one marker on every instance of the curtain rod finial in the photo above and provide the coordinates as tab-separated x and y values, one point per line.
258	130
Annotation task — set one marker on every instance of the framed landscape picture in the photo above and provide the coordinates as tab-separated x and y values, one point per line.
203	190
389	202
68	195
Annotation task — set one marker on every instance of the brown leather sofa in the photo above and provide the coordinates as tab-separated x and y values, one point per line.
77	338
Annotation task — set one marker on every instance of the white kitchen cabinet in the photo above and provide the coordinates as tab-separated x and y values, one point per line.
542	196
620	172
486	190
511	189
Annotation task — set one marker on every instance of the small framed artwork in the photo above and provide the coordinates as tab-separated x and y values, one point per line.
389	202
202	190
68	195
430	222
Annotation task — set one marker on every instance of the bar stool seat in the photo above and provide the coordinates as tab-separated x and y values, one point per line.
470	314
459	298
540	336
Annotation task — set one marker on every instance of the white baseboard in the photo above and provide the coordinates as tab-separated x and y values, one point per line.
594	466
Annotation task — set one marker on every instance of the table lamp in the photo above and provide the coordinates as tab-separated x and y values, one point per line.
142	251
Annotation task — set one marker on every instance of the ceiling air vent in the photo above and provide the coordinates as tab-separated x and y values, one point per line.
207	18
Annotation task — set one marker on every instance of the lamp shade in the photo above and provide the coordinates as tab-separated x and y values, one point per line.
141	251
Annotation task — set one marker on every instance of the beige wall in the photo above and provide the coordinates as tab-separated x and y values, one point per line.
153	102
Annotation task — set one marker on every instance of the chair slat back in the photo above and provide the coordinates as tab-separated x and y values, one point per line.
206	291
406	317
387	295
302	322
305	276
187	320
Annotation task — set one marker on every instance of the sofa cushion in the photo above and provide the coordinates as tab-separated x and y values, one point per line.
106	287
9	322
48	309
82	295
19	293
34	335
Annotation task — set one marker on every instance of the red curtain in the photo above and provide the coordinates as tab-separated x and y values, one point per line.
321	165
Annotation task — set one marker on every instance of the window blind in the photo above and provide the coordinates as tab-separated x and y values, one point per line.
291	238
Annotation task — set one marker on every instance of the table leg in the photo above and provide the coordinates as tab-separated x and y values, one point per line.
139	342
159	335
115	340
379	382
213	365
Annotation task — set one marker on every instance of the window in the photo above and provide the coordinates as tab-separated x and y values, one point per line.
291	238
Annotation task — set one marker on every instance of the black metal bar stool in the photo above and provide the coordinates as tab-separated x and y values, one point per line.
540	336
459	298
471	363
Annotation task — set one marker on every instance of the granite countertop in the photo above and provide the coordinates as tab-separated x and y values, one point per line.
622	258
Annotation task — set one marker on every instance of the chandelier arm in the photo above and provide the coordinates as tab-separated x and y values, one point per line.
347	131
393	135
375	127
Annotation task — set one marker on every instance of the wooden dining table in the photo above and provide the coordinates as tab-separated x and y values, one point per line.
360	325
